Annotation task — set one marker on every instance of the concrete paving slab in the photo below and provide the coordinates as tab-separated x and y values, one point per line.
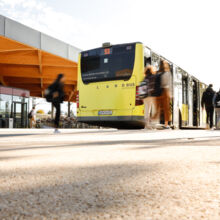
109	174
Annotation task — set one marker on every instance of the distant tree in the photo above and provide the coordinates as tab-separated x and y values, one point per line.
40	111
71	113
49	112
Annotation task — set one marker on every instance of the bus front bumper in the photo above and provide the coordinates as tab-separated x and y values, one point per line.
114	121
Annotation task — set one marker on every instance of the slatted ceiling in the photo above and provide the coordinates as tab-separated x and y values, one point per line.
26	57
25	67
20	80
19	71
36	88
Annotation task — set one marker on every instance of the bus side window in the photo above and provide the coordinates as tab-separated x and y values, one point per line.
147	61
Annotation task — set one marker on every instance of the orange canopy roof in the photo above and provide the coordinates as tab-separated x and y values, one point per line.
26	67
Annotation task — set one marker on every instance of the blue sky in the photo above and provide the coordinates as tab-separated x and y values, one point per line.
184	31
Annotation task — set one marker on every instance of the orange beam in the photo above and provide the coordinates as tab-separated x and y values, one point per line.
19	71
2	81
50	72
40	70
17	50
40	61
8	44
33	71
18	58
34	87
17	80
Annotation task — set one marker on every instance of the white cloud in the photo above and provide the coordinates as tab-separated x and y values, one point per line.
40	16
186	32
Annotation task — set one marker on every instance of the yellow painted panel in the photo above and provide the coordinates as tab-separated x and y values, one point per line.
185	112
108	95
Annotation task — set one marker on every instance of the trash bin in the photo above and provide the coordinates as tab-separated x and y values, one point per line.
10	123
217	121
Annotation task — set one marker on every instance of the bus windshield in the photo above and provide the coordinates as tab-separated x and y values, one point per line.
105	64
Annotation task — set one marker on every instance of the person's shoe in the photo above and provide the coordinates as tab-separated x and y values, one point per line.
166	127
56	131
148	127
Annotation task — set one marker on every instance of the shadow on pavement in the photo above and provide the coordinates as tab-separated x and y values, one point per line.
81	192
104	131
190	142
16	135
215	162
110	131
7	158
145	144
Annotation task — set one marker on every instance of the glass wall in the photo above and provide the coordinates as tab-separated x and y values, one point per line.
13	107
5	105
5	110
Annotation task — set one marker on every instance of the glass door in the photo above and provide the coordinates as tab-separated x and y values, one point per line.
20	114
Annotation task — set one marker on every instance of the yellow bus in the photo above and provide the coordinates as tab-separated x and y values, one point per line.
108	80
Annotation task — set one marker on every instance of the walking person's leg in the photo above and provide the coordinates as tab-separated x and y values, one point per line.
166	108
207	117
211	116
33	122
147	104
146	112
30	122
157	105
57	117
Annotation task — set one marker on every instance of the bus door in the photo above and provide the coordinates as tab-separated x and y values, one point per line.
185	101
177	96
195	101
190	100
172	89
202	112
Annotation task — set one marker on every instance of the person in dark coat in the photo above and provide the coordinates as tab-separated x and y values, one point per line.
216	100
207	102
57	92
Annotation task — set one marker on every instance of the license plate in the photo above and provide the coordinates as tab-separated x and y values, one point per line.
105	112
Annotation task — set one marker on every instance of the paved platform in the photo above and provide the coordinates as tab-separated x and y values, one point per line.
109	174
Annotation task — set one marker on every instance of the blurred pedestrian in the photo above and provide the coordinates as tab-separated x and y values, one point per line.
163	92
216	99
32	117
216	103
149	100
207	102
56	96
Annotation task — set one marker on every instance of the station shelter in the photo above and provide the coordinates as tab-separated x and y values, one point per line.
29	62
